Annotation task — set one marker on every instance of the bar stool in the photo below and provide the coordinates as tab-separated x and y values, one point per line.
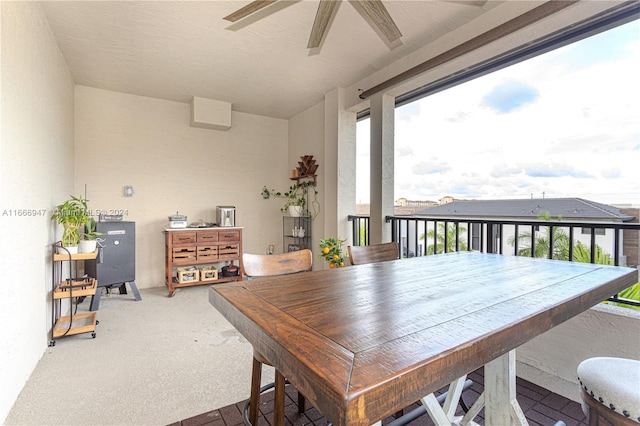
610	391
255	266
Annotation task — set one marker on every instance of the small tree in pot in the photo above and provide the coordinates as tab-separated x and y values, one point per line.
332	251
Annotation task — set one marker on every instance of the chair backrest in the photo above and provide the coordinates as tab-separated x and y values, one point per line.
263	265
359	255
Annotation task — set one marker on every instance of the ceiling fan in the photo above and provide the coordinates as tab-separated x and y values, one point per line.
374	9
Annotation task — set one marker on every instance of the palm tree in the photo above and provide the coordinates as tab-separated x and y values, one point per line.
542	239
582	253
449	236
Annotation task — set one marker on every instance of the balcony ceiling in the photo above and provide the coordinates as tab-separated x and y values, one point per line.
178	49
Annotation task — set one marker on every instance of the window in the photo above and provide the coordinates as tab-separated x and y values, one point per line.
598	231
555	125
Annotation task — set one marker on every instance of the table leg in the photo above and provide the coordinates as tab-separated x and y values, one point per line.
445	414
500	404
278	403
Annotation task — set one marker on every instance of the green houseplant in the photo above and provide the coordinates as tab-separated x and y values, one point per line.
72	215
332	252
296	198
90	236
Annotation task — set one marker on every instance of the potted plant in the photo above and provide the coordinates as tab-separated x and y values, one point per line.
332	252
72	215
296	199
90	236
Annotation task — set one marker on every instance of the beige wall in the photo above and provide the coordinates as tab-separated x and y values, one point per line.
36	173
124	139
551	360
306	137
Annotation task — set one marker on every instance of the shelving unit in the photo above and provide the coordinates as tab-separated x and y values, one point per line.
306	169
70	288
305	172
291	241
192	247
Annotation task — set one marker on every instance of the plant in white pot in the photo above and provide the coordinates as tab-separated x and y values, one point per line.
296	199
90	236
72	215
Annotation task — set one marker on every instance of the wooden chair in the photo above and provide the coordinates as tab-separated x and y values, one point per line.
359	255
610	391
257	265
265	265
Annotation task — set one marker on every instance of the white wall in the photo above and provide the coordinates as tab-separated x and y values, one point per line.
306	137
551	360
36	174
124	139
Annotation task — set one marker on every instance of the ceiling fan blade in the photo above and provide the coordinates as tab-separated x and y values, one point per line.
326	8
381	18
478	3
254	6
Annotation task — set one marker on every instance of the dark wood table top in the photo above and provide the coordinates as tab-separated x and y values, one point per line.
361	342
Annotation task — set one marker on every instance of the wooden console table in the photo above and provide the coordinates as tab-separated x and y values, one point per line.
192	247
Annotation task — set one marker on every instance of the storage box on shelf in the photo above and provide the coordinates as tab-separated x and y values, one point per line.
208	273
187	274
70	288
197	248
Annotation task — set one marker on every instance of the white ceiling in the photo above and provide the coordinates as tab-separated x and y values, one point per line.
175	50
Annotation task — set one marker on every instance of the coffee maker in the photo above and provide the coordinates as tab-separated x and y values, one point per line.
226	215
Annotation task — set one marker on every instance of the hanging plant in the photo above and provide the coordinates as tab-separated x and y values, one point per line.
332	252
296	195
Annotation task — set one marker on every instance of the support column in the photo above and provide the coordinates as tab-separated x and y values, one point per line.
382	161
340	172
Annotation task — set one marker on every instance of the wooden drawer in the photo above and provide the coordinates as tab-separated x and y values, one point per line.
207	253
229	236
231	251
207	237
183	254
183	237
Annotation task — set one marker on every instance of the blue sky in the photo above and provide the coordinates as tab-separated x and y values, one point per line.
566	124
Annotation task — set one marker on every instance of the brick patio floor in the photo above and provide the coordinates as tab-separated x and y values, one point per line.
540	406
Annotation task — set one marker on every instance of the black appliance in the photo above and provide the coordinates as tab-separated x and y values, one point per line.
115	265
230	271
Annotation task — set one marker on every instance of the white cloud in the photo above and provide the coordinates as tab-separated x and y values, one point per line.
579	136
433	166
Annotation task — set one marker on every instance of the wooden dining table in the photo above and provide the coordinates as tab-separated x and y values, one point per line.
362	342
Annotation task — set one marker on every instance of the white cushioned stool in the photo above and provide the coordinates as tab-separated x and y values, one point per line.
610	390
